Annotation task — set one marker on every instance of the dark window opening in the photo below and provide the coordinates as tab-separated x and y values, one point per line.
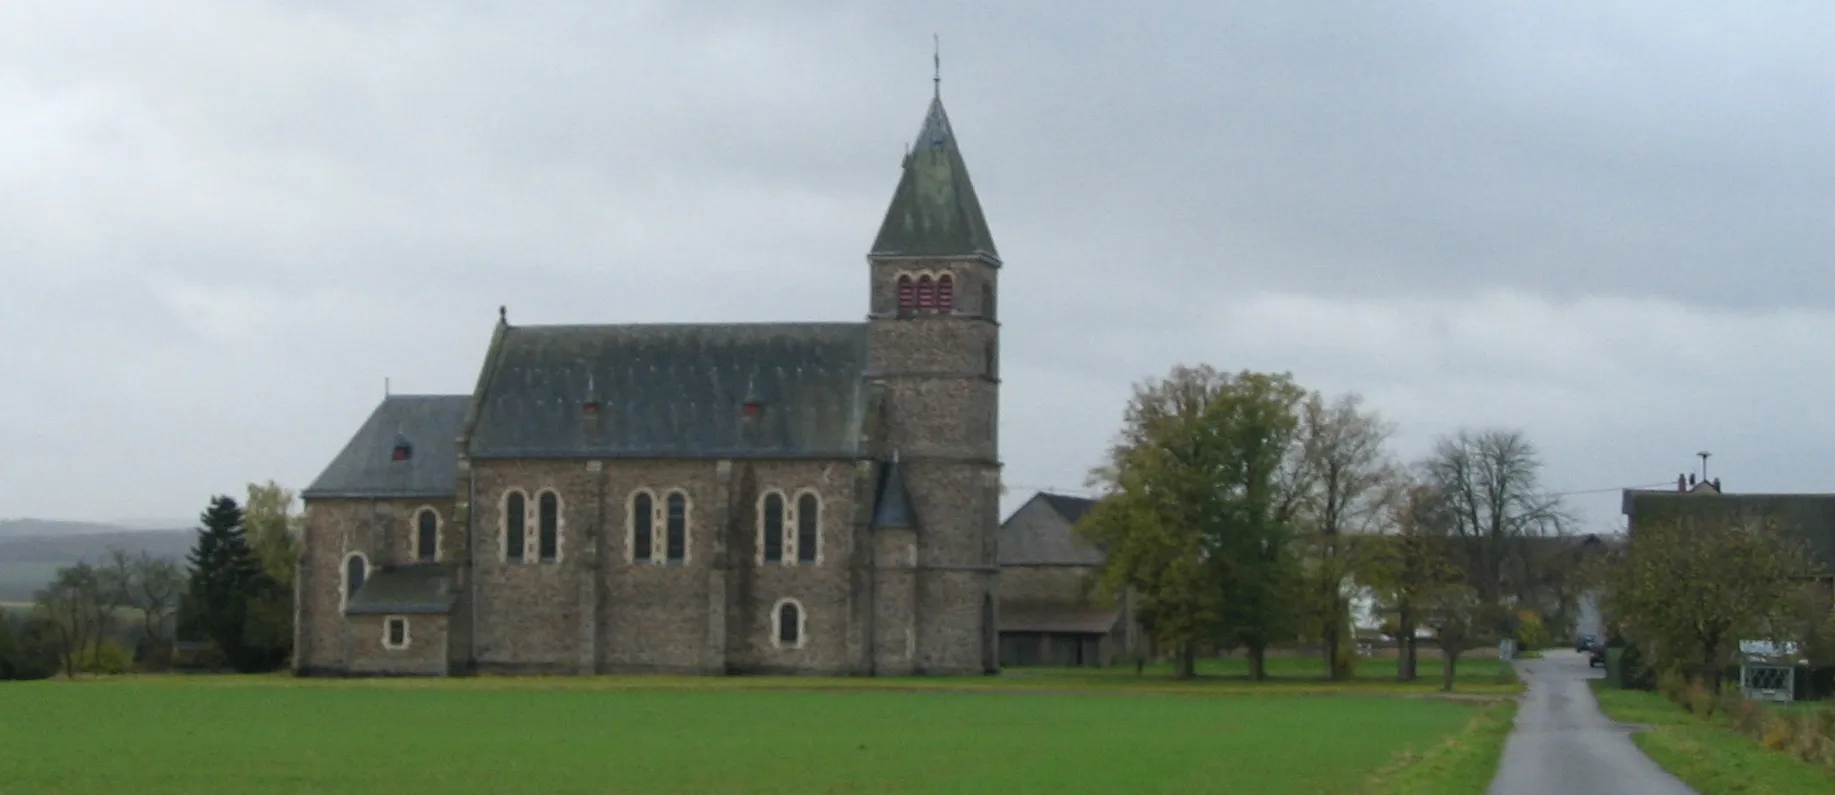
355	570
398	632
549	527
946	293
808	512
427	536
753	409
677	549
788	618
515	516
402	452
926	293
642	533
987	301
774	528
907	293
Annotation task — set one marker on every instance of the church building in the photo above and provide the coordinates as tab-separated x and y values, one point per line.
691	498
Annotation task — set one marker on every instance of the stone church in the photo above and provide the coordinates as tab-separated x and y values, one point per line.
691	498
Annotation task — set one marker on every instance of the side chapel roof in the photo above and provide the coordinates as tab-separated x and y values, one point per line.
367	468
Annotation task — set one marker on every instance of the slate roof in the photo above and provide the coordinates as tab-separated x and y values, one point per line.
421	588
674	391
935	211
365	469
1067	620
1810	516
1029	539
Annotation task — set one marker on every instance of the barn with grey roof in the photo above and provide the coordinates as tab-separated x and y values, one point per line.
691	498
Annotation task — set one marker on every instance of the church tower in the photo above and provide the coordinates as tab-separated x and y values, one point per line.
935	353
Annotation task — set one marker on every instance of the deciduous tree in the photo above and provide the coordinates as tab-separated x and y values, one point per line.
1408	565
1693	584
1349	481
1491	483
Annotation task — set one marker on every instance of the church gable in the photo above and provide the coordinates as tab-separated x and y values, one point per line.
404	449
781	390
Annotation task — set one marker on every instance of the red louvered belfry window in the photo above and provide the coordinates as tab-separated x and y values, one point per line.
926	293
946	293
907	293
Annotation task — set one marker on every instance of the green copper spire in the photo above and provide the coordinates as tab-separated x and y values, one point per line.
934	212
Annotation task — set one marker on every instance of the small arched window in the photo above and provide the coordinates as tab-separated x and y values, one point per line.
907	293
427	535
356	569
926	293
789	621
515	517
643	529
808	524
677	547
946	293
548	526
772	518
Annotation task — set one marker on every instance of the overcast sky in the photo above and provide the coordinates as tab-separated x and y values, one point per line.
224	222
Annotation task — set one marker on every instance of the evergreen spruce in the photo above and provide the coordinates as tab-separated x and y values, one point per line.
226	577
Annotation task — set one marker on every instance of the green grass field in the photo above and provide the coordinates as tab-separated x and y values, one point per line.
1044	732
1709	755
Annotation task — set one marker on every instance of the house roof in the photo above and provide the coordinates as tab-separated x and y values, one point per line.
1068	620
365	468
1810	517
1051	541
421	588
674	391
934	211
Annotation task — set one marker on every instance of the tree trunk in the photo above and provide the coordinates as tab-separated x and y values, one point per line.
1333	670
1446	672
1188	659
1406	647
1258	661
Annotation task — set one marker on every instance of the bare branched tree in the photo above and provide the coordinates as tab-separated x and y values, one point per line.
1491	483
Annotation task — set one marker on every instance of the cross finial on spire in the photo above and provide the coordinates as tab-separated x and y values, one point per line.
936	64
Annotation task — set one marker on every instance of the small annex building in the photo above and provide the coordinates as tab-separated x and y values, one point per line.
1050	612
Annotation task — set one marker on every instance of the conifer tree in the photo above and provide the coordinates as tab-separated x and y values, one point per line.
226	577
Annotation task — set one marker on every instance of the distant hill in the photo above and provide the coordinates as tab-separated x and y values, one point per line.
27	562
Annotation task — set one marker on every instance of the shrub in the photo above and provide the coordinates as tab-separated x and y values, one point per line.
1699	699
1530	633
110	659
1673	686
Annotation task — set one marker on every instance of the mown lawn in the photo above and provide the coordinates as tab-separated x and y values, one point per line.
1010	735
1709	755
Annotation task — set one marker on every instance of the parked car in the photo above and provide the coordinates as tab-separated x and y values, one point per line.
1596	655
1585	642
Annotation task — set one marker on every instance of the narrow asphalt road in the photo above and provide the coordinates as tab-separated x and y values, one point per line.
1563	745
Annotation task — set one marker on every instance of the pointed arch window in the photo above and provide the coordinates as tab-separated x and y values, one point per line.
643	527
772	519
808	527
907	293
676	547
946	293
427	535
515	519
926	293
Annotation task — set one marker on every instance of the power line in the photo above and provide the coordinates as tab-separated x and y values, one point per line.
1013	487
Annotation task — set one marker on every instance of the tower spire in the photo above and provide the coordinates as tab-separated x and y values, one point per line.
936	65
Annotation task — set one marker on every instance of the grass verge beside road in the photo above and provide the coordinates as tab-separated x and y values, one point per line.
1708	755
1462	764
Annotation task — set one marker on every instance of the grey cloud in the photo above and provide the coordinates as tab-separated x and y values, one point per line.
225	223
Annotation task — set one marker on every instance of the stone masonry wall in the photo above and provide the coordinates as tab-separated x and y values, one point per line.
380	530
426	654
597	610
